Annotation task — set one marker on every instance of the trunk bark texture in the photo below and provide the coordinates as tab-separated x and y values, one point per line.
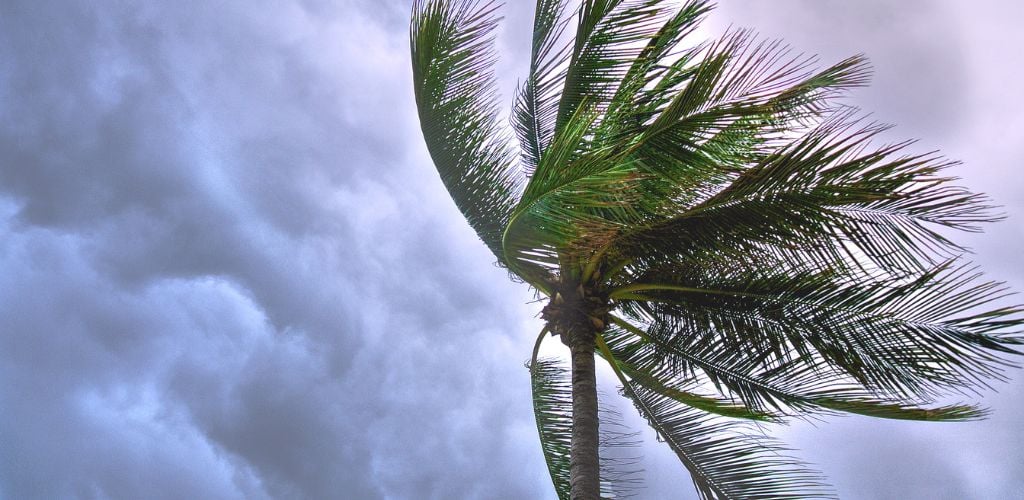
576	314
584	462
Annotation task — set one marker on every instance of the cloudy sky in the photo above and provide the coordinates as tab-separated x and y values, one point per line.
228	270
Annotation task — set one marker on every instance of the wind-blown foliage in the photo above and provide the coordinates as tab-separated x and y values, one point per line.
552	400
742	248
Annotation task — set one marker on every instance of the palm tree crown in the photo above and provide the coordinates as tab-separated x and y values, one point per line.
716	226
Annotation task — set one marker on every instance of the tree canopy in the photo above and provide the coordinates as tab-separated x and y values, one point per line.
741	243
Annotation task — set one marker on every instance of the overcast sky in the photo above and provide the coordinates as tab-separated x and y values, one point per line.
228	268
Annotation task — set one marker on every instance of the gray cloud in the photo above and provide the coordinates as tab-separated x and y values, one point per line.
917	50
222	276
229	271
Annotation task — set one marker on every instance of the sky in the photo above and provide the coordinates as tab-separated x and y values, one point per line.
228	268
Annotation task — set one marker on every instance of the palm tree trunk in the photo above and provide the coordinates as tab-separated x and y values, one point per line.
584	462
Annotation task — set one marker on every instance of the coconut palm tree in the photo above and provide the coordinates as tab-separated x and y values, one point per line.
711	221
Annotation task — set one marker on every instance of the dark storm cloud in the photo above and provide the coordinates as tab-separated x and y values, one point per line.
222	275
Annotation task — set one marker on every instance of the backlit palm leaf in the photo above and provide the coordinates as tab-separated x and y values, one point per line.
713	221
552	406
452	62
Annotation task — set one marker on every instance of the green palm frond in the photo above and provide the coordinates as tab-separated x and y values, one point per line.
825	197
725	458
452	63
687	392
597	185
798	386
540	223
631	105
552	404
536	105
901	339
605	51
727	228
552	407
608	33
740	77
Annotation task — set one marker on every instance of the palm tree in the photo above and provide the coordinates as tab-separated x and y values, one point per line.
711	222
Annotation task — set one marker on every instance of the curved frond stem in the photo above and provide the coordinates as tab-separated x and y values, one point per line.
610	358
775	394
826	394
622	369
626	291
536	345
912	339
